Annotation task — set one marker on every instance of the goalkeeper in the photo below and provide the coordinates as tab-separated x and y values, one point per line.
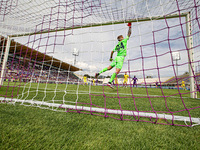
119	59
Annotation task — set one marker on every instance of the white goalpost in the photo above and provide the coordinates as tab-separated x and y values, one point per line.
40	64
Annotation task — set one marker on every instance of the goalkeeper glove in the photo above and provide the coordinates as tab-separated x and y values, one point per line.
111	59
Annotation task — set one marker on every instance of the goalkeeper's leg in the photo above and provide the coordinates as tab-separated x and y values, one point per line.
119	64
114	75
113	64
103	70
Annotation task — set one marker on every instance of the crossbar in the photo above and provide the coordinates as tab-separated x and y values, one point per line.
104	24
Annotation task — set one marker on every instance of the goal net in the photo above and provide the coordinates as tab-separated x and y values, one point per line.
51	49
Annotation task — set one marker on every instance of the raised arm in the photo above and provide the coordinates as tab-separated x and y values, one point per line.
111	55
129	29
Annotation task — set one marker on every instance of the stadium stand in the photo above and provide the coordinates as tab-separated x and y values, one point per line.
185	77
25	64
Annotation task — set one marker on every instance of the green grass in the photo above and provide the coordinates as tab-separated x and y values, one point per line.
135	99
34	128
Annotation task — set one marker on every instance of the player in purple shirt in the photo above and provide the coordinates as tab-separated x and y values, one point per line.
134	81
96	81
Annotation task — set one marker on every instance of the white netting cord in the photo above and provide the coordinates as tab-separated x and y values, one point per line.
30	92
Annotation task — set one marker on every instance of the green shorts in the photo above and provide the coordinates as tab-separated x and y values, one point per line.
118	62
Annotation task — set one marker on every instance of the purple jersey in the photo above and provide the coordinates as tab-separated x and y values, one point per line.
135	80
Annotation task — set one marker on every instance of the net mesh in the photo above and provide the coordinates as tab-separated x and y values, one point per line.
53	44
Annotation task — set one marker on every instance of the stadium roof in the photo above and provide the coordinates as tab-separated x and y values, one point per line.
24	51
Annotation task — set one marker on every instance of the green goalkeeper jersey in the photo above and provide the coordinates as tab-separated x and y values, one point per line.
121	47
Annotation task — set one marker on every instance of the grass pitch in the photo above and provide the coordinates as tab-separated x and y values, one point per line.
34	128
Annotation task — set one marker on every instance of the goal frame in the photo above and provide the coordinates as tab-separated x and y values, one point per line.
111	111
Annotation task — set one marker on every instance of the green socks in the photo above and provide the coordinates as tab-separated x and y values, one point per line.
112	77
105	69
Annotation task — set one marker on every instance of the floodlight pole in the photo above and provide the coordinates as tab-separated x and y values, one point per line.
176	57
75	58
177	67
75	53
3	69
190	56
